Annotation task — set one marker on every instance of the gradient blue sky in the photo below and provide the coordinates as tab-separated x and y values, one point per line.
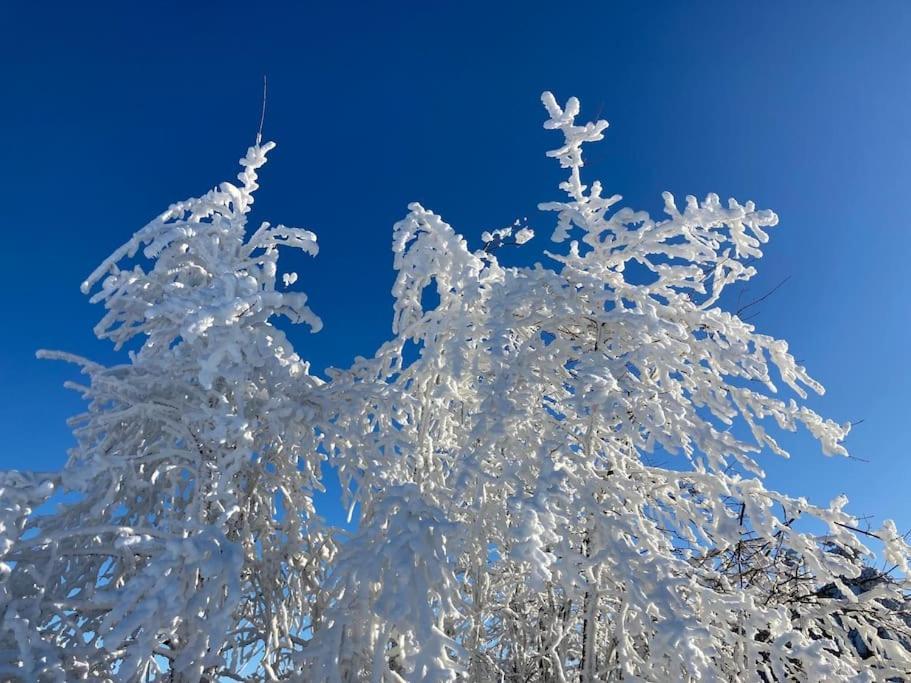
111	112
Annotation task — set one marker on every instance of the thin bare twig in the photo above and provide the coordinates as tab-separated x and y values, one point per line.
762	298
262	116
860	531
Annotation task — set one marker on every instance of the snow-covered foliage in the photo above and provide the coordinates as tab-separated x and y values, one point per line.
499	450
192	545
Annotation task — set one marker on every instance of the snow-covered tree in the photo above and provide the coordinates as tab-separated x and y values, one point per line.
526	424
499	451
192	544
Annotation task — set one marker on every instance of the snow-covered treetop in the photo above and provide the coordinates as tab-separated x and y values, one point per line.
206	281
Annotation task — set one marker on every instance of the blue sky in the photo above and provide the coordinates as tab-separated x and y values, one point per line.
112	112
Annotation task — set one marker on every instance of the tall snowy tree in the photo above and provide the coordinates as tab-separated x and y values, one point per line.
192	545
512	522
518	445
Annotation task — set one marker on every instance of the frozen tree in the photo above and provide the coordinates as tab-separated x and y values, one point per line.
499	453
526	424
192	544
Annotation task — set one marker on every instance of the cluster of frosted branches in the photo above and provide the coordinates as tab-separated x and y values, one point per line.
499	451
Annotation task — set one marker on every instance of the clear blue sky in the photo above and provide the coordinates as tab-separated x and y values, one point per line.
109	113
